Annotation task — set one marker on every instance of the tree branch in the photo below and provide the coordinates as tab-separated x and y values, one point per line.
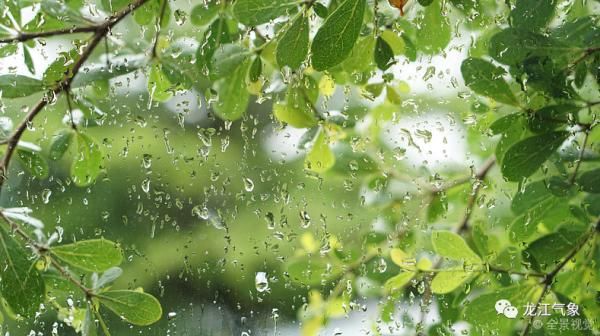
26	36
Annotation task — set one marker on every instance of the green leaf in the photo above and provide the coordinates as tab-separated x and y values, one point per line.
61	67
384	55
88	161
526	225
256	12
338	34
320	10
320	158
551	117
255	69
450	245
28	60
60	144
486	79
481	311
204	13
446	281
227	59
96	255
434	33
437	207
362	56
9	50
233	96
533	14
17	86
526	156
549	250
511	46
526	198
119	66
410	50
159	87
590	181
135	307
398	282
292	49
22	285
216	35
33	162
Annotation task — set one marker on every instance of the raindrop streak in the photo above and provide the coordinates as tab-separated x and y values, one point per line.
46	195
304	219
248	184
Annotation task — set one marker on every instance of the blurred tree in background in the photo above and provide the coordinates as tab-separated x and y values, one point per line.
306	167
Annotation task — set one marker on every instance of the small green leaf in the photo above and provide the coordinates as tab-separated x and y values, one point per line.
550	117
233	96
255	69
28	60
410	50
526	156
256	12
320	10
398	282
204	13
425	3
437	207
292	49
486	79
546	252
449	244
338	34
446	281
526	225
227	59
9	50
320	158
533	14
135	307
590	181
159	87
434	33
215	35
88	161
96	255
481	311
35	164
60	144
61	67
22	285
533	194
17	86
511	46
384	55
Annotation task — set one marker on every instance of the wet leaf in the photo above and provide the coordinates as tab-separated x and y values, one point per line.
87	162
486	79
132	306
320	158
336	37
292	48
233	96
256	12
17	86
22	285
384	55
451	245
60	144
96	255
589	181
33	162
526	156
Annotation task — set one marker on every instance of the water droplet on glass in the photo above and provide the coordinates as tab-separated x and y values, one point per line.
248	184
261	282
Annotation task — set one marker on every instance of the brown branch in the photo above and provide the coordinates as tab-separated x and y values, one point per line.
100	32
26	36
479	177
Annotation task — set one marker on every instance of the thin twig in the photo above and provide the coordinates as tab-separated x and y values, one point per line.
26	36
580	158
159	21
